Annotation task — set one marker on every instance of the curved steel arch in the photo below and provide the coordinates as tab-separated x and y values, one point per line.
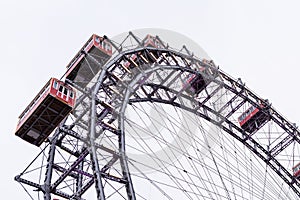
253	145
267	155
105	102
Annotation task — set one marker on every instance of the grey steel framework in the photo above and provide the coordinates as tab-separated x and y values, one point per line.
88	150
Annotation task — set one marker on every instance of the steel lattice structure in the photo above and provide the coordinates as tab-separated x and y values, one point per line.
88	150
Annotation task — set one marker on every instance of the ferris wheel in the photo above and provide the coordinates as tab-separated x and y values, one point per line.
149	115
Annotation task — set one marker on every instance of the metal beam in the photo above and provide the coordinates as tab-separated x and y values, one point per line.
69	170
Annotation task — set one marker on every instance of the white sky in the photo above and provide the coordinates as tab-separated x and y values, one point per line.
256	40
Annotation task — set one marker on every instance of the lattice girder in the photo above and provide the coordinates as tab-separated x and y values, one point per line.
95	141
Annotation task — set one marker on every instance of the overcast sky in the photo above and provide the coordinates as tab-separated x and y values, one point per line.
256	40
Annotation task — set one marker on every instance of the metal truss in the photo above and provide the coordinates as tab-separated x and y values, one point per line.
89	148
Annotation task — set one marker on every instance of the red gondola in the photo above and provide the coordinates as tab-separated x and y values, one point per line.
296	170
82	71
151	41
253	118
148	41
52	104
195	83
